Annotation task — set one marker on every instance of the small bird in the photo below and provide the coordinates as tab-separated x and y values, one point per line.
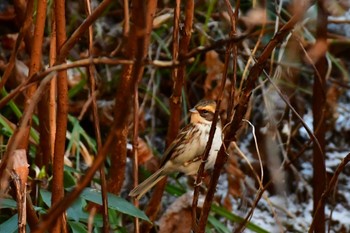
185	152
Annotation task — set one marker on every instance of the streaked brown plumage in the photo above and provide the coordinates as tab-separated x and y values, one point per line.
184	154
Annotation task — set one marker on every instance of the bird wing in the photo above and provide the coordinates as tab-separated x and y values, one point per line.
179	138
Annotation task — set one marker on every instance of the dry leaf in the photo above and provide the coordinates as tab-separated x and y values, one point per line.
178	217
161	19
254	17
212	82
214	69
143	151
17	163
20	164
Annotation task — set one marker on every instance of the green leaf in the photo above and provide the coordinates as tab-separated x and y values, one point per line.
174	190
235	218
76	210
69	180
7	130
77	227
219	227
7	203
114	202
73	170
114	218
46	196
10	225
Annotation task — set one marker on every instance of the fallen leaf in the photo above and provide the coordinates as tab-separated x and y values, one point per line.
178	217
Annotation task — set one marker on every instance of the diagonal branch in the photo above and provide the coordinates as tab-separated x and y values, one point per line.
241	107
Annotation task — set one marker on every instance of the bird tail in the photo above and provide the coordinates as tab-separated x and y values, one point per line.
147	184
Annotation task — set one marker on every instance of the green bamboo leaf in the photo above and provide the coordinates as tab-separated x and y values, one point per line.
235	218
7	203
10	225
77	227
219	227
114	202
46	196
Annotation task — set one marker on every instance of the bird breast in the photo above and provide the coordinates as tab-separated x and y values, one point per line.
189	160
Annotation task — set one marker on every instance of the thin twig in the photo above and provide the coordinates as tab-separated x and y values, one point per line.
92	82
135	146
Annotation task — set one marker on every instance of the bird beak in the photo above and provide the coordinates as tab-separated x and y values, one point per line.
193	110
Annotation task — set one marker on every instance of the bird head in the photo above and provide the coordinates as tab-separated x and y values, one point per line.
203	112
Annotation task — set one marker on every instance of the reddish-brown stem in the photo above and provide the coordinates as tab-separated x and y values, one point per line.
326	192
92	77
205	211
318	111
53	85
175	98
35	65
21	8
135	150
62	114
234	20
42	158
180	48
126	27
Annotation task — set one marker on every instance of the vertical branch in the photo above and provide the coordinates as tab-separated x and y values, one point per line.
180	48
141	46
35	65
318	111
135	149
18	168
140	32
21	201
43	157
52	86
173	126
21	8
175	98
330	187
91	75
62	114
126	28
234	20
222	157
